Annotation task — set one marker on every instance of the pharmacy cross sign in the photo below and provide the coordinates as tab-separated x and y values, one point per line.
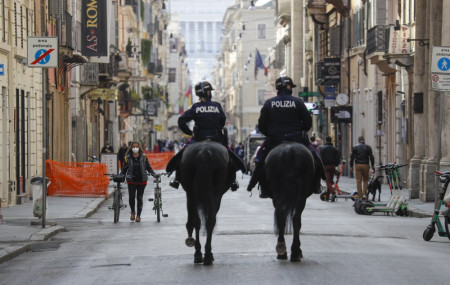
42	52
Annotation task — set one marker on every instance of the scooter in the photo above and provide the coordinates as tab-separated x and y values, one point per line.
397	202
333	196
444	177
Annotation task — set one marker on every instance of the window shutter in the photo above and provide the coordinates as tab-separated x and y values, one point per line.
381	17
335	41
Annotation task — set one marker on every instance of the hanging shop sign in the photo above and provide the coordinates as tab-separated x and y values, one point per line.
94	39
331	71
341	114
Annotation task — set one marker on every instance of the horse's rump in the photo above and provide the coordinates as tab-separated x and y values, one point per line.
289	170
204	170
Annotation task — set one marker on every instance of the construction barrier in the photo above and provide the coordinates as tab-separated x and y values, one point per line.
77	179
159	160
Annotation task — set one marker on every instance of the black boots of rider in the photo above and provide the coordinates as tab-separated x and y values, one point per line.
174	183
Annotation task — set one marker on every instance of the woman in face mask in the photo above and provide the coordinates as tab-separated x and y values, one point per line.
135	169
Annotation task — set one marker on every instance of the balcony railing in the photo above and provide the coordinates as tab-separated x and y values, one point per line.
378	39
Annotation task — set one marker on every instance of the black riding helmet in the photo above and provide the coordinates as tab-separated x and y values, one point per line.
284	81
202	88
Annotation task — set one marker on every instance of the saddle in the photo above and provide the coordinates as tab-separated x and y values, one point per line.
236	161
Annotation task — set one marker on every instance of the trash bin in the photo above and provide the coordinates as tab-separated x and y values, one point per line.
36	187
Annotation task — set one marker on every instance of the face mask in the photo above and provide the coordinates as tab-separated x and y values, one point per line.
135	149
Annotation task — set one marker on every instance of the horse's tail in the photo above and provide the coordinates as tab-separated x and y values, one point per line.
289	183
286	203
203	186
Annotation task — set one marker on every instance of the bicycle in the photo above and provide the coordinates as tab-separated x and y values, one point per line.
117	196
157	200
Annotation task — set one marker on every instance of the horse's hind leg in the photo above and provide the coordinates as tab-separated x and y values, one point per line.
296	252
190	241
281	224
198	256
193	222
210	224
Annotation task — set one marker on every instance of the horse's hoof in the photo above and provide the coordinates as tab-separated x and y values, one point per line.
190	241
208	260
282	256
198	258
281	248
295	258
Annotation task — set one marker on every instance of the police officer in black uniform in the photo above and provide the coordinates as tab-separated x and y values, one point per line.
284	118
209	121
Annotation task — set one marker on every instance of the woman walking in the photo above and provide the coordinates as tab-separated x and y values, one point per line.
135	170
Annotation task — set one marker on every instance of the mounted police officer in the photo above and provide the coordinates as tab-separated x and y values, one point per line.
209	121
284	118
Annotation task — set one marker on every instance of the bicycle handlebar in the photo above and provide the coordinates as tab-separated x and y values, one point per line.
390	166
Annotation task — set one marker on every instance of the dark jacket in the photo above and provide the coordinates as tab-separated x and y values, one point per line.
329	154
144	165
121	154
362	154
284	114
209	120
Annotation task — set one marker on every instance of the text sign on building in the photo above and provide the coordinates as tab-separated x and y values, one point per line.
94	28
2	69
398	41
440	68
42	52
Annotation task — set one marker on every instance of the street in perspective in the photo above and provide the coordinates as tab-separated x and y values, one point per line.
224	142
339	246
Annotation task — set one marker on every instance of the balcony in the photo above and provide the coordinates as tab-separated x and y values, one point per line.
378	40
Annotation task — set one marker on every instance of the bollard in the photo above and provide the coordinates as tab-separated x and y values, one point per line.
1	215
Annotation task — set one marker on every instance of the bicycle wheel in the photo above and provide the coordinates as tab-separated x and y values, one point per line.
158	205
116	206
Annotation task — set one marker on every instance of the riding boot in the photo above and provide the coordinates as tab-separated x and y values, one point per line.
174	182
255	176
234	186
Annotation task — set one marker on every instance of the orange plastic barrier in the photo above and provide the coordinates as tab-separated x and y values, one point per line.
159	160
77	179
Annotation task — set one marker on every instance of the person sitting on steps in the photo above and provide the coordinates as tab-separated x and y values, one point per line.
209	121
284	118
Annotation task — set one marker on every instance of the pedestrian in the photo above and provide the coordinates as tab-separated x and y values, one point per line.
361	157
121	155
107	148
284	118
331	158
239	151
135	172
318	142
209	119
313	145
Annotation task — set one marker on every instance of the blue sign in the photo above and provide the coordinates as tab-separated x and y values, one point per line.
330	93
2	69
444	64
42	54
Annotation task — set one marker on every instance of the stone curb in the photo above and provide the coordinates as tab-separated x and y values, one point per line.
12	251
46	233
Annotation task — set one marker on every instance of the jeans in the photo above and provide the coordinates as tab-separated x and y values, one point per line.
132	189
362	177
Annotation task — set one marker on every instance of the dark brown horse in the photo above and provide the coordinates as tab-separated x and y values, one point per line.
289	171
205	174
